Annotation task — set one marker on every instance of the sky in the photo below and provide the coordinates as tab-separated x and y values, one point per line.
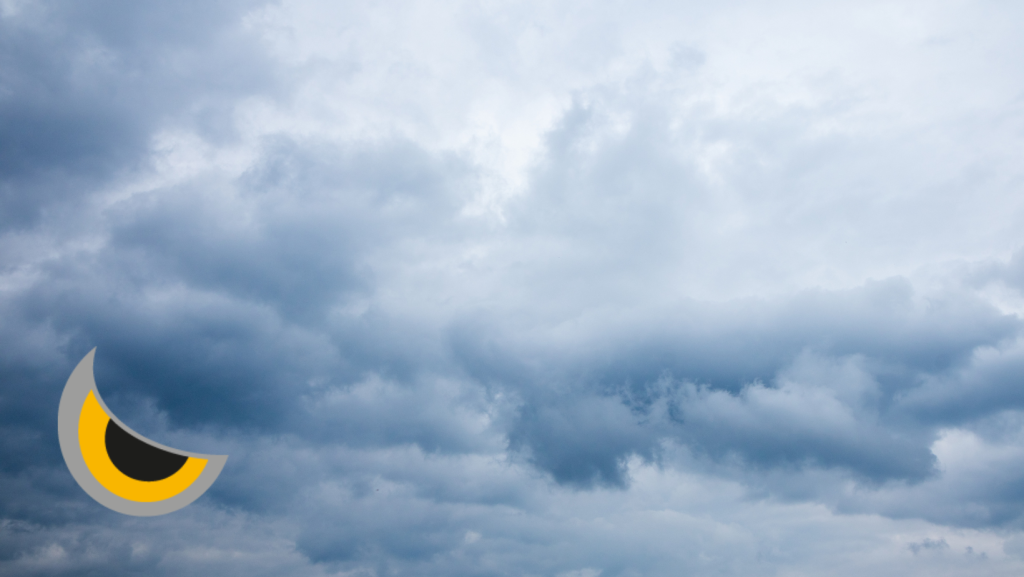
489	288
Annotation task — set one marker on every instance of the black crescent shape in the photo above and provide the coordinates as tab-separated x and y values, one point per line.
139	460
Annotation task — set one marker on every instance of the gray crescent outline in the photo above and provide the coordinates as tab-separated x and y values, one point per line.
76	390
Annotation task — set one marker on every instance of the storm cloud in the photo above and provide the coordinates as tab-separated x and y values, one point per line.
489	288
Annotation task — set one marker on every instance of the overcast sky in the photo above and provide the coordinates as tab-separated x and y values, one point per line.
566	289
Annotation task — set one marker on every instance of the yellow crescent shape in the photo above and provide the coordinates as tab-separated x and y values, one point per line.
92	426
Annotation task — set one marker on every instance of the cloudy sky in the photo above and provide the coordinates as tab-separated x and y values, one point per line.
475	288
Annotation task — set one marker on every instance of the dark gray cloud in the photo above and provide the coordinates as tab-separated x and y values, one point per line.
494	290
86	85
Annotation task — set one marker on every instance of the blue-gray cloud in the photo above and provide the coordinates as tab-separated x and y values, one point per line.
477	291
87	84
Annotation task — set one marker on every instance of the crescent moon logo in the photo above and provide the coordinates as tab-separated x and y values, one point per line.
119	468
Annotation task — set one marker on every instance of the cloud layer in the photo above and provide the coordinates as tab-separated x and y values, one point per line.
488	288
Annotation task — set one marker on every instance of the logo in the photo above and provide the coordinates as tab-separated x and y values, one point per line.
119	468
